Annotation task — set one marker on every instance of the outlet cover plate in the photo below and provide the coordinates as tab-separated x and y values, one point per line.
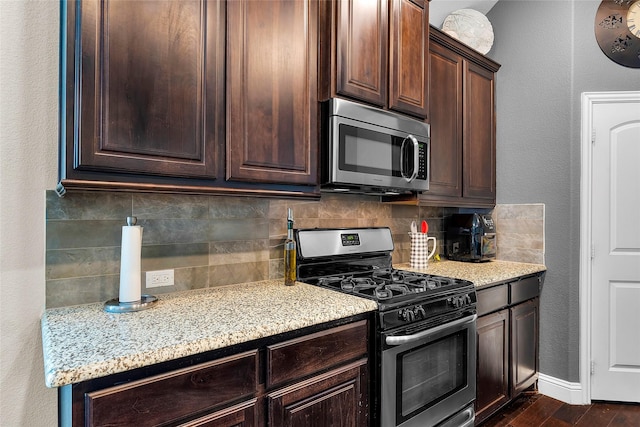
158	278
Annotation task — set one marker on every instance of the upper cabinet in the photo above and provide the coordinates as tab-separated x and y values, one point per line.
463	125
144	87
376	51
193	95
272	92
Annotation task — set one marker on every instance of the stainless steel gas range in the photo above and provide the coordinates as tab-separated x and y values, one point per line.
424	354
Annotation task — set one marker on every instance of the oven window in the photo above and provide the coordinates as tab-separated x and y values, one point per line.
431	373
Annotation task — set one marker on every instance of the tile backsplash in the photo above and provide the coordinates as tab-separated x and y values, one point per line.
218	240
520	232
207	240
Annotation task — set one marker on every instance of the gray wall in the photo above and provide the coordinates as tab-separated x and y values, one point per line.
549	56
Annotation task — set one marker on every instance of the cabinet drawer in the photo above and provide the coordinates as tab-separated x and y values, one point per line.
524	289
174	395
301	357
492	299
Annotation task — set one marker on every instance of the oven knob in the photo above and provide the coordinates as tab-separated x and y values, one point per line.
407	315
420	313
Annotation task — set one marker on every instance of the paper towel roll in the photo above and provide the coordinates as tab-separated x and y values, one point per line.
130	260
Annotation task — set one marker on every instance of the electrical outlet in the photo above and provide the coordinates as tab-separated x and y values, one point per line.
159	278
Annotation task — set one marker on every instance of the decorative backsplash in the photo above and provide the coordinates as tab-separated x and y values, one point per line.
520	232
207	240
217	240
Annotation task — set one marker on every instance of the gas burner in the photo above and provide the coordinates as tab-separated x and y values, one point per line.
422	283
384	284
331	281
356	285
399	288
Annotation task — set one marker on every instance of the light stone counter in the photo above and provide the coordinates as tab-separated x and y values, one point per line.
85	342
480	273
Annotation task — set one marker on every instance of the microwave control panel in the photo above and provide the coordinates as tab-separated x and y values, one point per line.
422	161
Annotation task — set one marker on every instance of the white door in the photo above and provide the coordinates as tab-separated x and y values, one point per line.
615	265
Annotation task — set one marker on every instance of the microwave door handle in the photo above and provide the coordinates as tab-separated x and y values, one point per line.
407	339
416	154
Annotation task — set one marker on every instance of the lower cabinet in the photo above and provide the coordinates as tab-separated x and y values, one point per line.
492	373
318	378
332	399
507	343
524	345
242	415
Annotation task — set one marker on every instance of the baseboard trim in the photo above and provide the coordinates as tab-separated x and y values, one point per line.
561	390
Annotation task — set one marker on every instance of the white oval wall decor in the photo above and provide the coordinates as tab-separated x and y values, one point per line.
470	27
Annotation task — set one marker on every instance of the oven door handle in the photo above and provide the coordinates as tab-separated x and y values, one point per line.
407	339
471	420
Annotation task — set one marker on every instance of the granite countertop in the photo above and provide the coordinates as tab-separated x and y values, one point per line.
85	342
480	273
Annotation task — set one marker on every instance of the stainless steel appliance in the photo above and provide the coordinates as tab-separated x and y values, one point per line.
372	151
470	237
424	337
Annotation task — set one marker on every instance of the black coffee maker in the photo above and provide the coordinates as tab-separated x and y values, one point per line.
470	238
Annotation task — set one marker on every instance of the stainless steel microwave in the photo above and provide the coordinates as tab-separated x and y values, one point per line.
372	151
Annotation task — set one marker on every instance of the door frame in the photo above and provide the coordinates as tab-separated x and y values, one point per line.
589	99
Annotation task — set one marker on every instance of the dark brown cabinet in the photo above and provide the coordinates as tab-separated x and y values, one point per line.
198	96
332	399
152	401
462	117
507	342
493	363
524	345
445	170
272	101
139	98
243	415
377	52
318	378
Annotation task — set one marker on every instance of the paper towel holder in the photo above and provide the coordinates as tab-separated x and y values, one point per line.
145	301
115	306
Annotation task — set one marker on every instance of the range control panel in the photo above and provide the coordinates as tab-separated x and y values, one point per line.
351	239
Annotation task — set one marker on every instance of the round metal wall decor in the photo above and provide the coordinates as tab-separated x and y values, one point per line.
617	30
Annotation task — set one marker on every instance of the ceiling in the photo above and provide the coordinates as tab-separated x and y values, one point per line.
440	9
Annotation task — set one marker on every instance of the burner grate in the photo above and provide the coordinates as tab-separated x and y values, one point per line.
386	283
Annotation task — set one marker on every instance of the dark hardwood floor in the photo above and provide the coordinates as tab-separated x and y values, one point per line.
534	410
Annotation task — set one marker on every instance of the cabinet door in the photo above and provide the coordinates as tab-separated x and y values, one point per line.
524	346
409	57
148	87
272	108
361	50
445	171
493	363
337	398
298	358
243	415
479	180
174	395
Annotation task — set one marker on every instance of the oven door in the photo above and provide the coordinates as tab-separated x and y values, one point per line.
430	375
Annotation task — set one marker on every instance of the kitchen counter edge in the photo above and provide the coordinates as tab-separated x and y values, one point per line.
482	274
85	342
